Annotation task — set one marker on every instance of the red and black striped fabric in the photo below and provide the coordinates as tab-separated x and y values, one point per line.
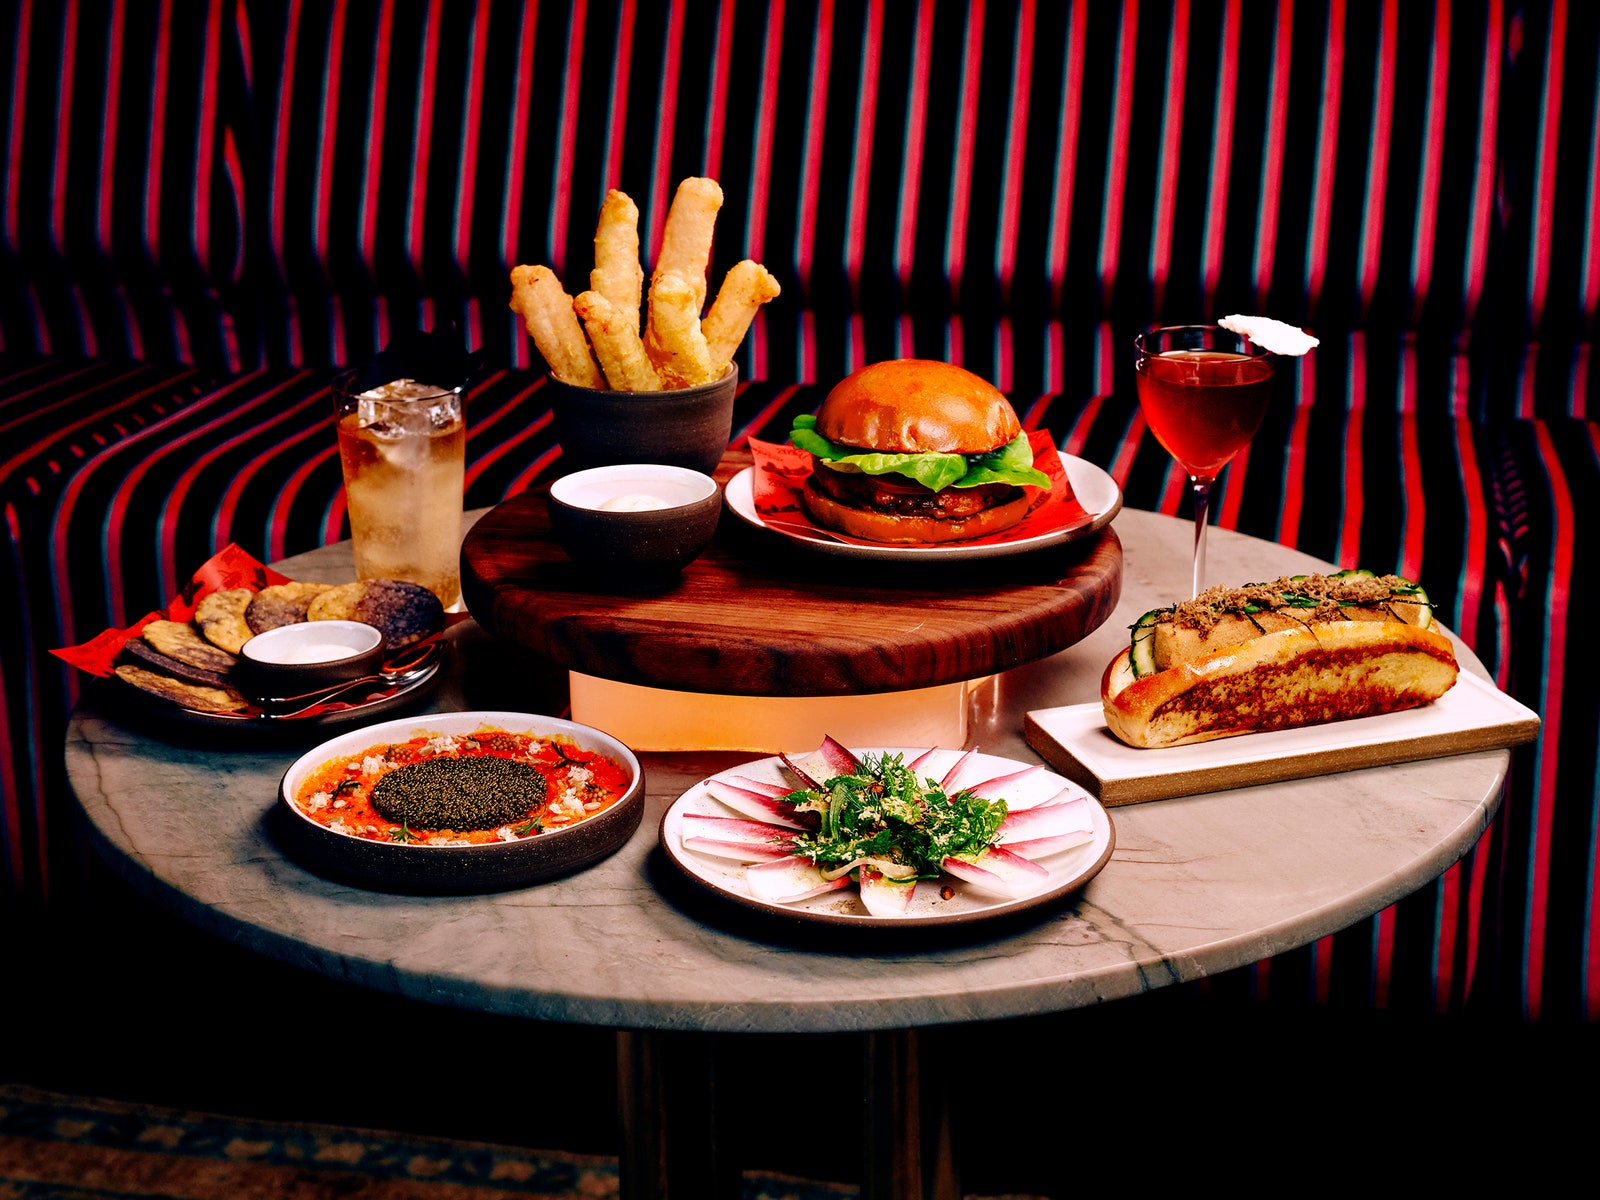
245	184
208	204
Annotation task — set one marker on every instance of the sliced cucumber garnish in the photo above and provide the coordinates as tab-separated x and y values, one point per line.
1142	653
1414	593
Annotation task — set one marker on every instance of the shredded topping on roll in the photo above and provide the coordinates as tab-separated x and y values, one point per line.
1313	597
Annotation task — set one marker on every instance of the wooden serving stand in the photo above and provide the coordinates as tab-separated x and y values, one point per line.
758	624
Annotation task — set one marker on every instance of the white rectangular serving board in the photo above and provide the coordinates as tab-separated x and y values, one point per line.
1473	715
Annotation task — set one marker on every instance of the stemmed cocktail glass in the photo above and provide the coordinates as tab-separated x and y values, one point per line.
1203	390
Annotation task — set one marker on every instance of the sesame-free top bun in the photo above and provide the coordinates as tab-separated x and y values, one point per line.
917	405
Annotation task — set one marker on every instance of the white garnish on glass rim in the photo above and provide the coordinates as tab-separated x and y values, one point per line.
1275	337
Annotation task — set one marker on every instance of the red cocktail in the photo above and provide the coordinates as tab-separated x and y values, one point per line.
1203	391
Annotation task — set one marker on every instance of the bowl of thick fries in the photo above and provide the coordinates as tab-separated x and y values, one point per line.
637	376
683	427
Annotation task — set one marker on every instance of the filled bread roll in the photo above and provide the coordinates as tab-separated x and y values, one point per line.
1296	651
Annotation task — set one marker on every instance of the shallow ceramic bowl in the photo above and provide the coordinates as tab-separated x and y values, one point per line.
415	868
634	543
271	663
688	427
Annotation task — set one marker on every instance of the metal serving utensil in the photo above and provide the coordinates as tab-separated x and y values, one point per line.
403	667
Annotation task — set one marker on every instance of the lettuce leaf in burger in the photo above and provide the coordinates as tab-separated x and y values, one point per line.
913	451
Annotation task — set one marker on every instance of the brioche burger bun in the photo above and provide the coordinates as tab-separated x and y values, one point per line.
916	451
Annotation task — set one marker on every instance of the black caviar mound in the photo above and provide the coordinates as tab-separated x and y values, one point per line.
459	793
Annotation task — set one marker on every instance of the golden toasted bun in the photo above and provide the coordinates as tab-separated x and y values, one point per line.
877	526
915	406
1293	677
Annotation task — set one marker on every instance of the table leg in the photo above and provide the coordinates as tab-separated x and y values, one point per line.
672	1146
907	1140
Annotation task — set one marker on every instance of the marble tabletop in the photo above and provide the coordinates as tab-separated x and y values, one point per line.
1196	885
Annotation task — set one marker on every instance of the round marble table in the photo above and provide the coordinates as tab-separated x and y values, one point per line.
1196	885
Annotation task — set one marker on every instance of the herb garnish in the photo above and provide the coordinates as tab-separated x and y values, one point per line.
905	826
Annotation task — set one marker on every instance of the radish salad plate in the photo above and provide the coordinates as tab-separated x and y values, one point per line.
888	837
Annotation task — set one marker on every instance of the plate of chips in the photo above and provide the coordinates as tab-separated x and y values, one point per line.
191	664
185	656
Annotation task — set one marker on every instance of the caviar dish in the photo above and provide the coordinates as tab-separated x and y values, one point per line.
460	802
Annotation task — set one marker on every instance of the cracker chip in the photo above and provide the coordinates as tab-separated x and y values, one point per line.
180	640
336	603
403	612
149	656
280	604
189	695
220	617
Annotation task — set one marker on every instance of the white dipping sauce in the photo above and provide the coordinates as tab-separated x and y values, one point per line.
316	652
633	502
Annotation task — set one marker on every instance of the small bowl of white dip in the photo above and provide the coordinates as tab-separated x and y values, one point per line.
292	660
635	521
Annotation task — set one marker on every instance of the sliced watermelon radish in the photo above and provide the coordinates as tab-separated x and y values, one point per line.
998	871
736	838
790	880
760	786
1009	788
885	897
754	804
1043	847
955	772
1050	819
806	781
833	758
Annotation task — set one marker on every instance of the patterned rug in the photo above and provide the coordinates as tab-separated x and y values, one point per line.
55	1147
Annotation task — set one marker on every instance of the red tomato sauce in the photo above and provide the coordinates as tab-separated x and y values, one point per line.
578	784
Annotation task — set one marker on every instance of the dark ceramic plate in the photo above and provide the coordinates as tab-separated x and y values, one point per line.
1066	871
381	700
420	868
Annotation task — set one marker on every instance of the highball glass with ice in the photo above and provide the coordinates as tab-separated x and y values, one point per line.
402	445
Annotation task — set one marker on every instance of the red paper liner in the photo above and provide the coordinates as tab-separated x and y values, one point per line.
230	567
781	470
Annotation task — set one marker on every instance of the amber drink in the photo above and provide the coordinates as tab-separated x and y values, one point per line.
1204	406
403	449
1203	391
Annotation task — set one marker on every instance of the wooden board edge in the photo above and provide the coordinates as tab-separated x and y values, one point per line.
1115	792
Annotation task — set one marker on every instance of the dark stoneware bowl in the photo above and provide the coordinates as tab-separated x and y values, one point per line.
270	664
629	545
689	427
411	867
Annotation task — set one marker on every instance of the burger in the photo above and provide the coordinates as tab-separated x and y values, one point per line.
912	450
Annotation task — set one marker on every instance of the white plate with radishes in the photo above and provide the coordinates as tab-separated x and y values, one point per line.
734	834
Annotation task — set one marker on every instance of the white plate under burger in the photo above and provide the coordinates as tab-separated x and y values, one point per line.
1095	490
